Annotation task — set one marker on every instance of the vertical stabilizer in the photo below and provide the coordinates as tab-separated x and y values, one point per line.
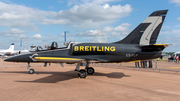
11	48
147	32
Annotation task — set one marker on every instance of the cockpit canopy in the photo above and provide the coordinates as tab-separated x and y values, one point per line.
35	49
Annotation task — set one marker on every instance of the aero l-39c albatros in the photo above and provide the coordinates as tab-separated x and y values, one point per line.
138	45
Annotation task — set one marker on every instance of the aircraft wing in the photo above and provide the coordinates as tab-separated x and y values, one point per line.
5	53
1	53
98	60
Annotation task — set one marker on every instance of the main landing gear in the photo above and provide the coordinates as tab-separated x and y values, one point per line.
83	72
31	71
90	70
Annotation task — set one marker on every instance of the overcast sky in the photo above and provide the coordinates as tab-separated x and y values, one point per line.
41	22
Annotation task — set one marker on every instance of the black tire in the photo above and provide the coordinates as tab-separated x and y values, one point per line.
90	71
31	71
83	73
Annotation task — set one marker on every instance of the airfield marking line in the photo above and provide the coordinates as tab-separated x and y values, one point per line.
169	92
155	78
103	72
173	67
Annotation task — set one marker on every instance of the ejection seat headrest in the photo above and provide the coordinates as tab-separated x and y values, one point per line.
54	45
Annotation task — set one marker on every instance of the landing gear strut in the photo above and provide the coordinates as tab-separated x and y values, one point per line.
31	71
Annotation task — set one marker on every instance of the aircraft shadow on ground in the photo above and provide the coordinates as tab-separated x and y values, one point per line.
62	76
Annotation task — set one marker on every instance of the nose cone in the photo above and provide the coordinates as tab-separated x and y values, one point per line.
9	59
19	58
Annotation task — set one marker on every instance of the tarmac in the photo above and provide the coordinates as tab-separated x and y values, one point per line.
113	82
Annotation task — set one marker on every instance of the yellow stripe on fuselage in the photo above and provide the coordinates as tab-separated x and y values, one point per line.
55	58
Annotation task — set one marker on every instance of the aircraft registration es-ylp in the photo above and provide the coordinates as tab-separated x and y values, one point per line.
138	45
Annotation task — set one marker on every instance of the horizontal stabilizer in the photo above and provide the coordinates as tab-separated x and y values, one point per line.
154	47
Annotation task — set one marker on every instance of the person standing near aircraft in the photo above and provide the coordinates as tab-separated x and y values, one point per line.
150	64
137	64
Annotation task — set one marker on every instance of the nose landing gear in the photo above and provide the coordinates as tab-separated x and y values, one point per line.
31	71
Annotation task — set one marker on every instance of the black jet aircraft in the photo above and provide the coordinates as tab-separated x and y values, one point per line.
138	45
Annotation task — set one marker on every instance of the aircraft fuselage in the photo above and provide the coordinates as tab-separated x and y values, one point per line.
99	52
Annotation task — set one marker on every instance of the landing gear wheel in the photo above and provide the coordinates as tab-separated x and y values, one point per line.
90	71
82	74
31	71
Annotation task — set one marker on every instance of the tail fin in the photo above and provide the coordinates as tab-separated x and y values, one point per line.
147	32
11	48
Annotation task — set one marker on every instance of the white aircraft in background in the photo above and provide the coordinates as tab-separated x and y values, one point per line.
11	51
7	51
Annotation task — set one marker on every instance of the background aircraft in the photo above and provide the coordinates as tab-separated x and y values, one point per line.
11	51
138	45
7	51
